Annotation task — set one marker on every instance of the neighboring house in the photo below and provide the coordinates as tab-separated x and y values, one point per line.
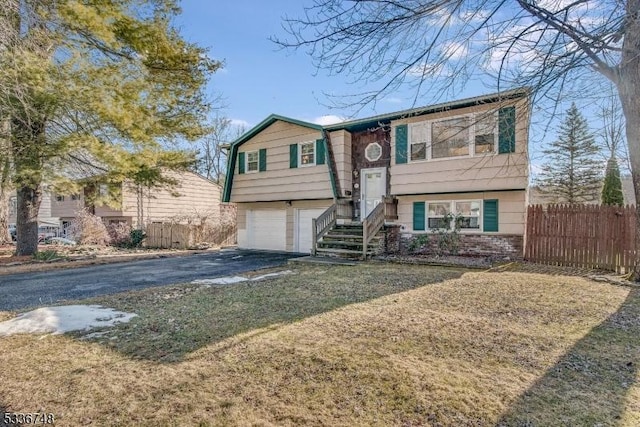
467	158
45	218
193	196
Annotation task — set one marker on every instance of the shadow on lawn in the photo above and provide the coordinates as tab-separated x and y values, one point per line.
175	321
590	383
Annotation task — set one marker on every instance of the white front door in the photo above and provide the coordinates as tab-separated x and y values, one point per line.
373	186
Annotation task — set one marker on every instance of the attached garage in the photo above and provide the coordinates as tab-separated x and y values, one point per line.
267	229
302	235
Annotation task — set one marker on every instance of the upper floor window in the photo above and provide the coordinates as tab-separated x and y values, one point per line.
485	134
455	137
307	153
75	196
59	198
450	138
253	161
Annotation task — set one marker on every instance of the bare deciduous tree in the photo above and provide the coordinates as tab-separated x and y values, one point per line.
555	47
211	154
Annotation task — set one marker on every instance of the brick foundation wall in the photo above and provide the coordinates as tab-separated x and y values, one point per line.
490	245
391	244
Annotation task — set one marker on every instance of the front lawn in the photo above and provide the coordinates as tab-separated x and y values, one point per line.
374	344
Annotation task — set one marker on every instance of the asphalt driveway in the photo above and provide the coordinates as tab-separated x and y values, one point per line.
23	290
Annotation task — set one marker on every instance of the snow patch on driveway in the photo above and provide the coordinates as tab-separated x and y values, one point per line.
66	318
237	279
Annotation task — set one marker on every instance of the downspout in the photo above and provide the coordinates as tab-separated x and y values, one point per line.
331	166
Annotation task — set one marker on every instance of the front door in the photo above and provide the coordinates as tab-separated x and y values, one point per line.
373	187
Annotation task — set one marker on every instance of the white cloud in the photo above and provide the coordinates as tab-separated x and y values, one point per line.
425	70
329	119
240	123
455	50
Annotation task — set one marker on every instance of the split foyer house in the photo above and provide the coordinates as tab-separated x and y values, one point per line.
413	170
138	205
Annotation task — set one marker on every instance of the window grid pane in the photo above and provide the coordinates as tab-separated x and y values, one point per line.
450	138
468	214
485	134
252	161
437	215
307	154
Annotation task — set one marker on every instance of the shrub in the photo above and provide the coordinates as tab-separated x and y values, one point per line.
136	237
120	234
88	229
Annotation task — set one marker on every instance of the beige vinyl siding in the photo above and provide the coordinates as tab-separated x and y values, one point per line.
341	146
290	216
66	208
477	173
279	182
193	196
511	208
45	214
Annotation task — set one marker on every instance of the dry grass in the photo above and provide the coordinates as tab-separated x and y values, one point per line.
368	345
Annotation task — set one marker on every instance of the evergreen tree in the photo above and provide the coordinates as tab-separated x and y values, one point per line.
108	86
573	172
612	189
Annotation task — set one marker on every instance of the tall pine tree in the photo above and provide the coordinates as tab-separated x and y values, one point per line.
573	172
612	189
111	83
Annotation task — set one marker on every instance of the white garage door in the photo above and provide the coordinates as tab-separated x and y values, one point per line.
302	236
267	229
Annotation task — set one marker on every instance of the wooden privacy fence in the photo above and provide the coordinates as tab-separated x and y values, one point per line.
219	232
166	235
586	236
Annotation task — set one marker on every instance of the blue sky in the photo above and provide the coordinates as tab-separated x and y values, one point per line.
259	78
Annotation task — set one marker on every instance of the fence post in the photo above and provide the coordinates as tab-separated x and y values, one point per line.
314	237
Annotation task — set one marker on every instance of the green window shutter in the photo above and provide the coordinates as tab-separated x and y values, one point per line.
490	215
320	152
401	144
418	216
262	160
240	162
507	130
293	156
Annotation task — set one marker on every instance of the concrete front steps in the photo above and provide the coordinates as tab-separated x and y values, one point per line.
345	241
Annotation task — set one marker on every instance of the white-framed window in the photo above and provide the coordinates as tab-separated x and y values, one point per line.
59	198
467	214
438	215
443	214
461	136
419	141
486	133
75	196
450	138
307	153
253	160
373	152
